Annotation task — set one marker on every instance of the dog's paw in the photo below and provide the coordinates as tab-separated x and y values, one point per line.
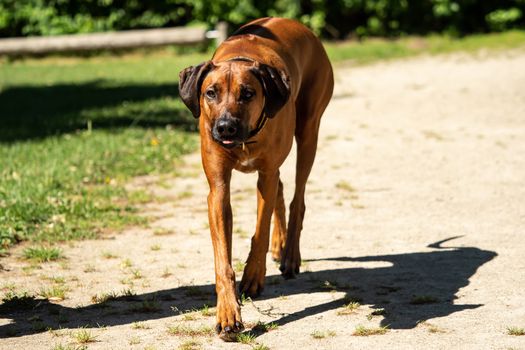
229	322
252	283
290	261
229	333
276	250
289	267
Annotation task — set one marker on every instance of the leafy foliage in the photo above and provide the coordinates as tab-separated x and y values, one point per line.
331	18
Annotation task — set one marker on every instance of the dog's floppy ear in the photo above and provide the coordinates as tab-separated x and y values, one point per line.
190	82
276	85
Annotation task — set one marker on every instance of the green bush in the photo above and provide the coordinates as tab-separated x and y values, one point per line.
500	20
330	18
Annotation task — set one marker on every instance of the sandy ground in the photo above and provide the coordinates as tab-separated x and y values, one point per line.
417	194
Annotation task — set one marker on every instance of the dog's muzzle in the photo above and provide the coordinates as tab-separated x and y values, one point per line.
228	131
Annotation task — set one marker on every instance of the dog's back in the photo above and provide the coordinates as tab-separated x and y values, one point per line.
278	38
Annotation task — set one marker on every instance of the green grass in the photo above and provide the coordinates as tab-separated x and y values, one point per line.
42	254
371	50
195	331
349	308
56	292
245	338
68	347
83	336
190	345
322	334
74	130
362	331
516	331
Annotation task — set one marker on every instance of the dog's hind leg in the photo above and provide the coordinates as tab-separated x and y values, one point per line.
306	149
252	282
310	106
279	225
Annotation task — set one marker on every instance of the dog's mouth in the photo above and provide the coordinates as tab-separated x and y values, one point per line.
229	144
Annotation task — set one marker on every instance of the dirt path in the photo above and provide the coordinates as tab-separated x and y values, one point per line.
412	153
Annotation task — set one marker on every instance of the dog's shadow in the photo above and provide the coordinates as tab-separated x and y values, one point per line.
414	287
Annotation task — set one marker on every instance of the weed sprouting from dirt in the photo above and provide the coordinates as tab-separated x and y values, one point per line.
349	308
185	330
83	336
245	338
190	345
42	254
362	331
139	325
343	185
57	292
517	331
322	334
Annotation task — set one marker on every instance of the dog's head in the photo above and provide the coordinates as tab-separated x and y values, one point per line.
232	95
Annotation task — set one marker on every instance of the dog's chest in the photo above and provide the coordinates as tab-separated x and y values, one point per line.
246	164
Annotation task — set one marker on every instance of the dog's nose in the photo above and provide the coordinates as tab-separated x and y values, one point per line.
226	127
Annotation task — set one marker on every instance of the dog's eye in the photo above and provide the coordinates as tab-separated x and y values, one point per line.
247	95
211	94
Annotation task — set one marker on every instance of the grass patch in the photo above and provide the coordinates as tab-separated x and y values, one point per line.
433	328
238	266
134	341
162	232
245	338
83	336
322	334
139	325
57	292
68	347
185	330
74	130
109	255
378	312
206	311
349	308
517	331
372	50
262	327
362	331
166	273
190	345
343	185
42	254
112	296
260	347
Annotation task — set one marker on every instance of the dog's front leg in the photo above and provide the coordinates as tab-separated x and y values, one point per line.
252	282
229	320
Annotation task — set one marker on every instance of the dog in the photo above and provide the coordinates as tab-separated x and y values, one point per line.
266	84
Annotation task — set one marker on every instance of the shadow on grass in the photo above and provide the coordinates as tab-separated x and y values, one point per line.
28	112
438	274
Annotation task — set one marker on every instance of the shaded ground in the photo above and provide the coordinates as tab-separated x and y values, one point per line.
414	209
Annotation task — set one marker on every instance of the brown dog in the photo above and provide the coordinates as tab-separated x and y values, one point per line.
270	81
